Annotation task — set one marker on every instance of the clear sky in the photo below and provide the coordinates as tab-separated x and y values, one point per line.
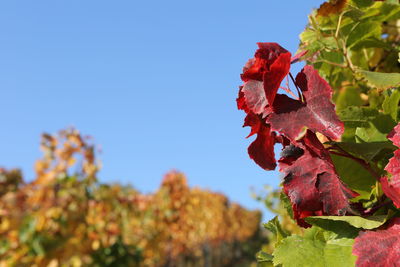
154	82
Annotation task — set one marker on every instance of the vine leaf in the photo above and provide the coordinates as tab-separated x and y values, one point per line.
391	185
311	182
254	96
317	112
313	249
262	148
371	222
378	247
275	227
270	65
381	80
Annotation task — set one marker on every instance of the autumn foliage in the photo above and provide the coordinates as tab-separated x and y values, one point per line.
65	217
335	122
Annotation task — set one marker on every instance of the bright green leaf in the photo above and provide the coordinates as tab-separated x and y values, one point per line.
296	251
286	204
381	80
264	257
275	227
377	130
371	222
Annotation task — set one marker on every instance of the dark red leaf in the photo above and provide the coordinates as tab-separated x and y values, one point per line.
317	112
262	148
379	248
270	65
391	186
311	182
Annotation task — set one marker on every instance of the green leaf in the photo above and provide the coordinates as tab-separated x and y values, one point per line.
377	130
366	151
375	99
391	104
370	134
264	257
348	96
362	31
328	229
381	80
354	175
265	264
393	2
390	10
286	204
372	42
354	13
363	3
357	116
369	223
296	251
275	227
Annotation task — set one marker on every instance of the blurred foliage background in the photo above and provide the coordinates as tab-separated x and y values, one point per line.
65	217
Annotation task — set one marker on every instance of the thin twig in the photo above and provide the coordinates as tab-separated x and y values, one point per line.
289	92
297	88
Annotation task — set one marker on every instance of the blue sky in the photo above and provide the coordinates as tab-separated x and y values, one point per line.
154	82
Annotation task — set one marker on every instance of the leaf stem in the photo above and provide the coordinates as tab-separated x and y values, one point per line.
372	210
338	25
297	88
287	90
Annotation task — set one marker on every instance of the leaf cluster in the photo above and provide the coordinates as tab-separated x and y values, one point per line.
354	45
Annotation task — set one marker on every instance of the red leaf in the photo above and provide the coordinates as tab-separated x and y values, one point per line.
262	149
254	96
241	102
317	112
312	184
379	248
391	187
394	135
270	65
